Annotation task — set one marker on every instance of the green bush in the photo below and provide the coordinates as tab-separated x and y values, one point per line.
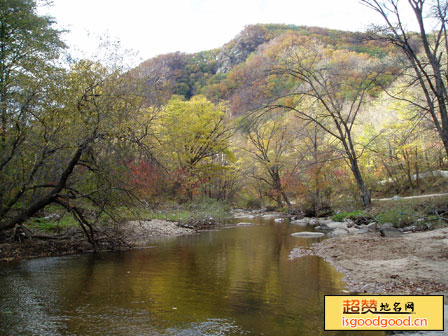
398	217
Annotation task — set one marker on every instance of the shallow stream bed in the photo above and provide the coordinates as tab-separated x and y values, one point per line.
236	281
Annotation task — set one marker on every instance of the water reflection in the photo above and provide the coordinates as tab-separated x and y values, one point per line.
237	281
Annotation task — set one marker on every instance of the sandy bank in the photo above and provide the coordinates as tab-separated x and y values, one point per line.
414	263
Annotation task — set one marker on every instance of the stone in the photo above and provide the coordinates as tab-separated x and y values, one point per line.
390	232
300	222
307	234
350	223
270	216
397	197
314	222
372	227
243	215
353	230
244	224
337	225
279	220
386	226
362	231
411	228
340	232
322	227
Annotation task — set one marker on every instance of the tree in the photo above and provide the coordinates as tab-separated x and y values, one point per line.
316	167
400	142
270	142
331	89
28	44
425	51
191	134
73	148
66	132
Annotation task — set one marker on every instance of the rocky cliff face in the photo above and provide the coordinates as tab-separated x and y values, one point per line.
206	72
237	50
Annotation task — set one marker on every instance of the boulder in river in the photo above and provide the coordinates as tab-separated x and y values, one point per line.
307	234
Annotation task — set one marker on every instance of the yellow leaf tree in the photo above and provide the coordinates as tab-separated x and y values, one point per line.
193	138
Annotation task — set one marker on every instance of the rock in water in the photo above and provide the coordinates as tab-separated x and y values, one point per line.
244	224
307	234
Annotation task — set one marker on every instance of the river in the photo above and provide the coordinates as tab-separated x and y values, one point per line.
236	281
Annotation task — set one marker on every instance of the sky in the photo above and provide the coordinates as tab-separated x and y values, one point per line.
153	27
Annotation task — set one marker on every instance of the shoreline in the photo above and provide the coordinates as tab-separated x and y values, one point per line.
130	235
413	263
133	234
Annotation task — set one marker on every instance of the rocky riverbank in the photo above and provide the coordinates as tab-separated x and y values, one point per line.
140	233
375	258
409	263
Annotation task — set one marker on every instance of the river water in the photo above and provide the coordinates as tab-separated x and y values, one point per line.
236	281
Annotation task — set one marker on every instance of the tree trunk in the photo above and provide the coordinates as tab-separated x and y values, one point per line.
279	199
365	192
407	159
52	195
286	199
417	178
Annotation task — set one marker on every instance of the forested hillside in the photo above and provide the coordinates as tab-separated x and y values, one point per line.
218	73
316	115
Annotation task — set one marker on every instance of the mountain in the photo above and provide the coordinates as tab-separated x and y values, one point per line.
218	73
